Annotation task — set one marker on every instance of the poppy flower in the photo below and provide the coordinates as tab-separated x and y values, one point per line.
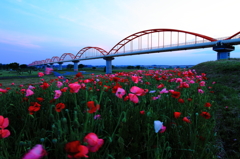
135	79
74	87
94	143
29	92
40	74
37	152
3	90
120	92
160	86
208	105
186	120
59	84
45	85
180	100
40	99
4	122
4	133
206	115
48	70
164	90
202	83
79	74
59	107
133	98
58	94
142	112
175	94
163	129
137	91
92	107
200	91
75	150
157	125
177	114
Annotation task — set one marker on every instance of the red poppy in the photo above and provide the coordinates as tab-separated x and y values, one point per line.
208	105
186	120
180	100
92	107
8	88
24	99
52	101
142	112
206	115
189	99
176	94
45	85
59	107
40	99
0	84
79	74
177	114
75	150
35	106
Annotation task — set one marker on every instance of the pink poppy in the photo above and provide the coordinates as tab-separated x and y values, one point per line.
200	91
120	92
202	83
12	84
94	143
74	87
137	91
135	79
163	129
133	98
3	90
58	93
164	90
31	87
4	133
59	84
4	122
37	152
48	71
29	92
40	74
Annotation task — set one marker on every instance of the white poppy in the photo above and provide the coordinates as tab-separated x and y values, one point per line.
158	125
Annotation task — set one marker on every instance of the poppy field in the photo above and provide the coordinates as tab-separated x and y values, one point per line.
143	114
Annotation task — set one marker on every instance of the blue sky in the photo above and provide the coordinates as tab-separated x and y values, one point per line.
32	30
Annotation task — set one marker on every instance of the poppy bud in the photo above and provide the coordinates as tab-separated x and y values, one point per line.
76	123
54	140
42	140
51	118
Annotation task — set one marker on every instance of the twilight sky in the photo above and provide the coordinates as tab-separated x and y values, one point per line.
33	30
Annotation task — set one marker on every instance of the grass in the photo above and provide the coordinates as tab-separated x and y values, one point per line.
227	91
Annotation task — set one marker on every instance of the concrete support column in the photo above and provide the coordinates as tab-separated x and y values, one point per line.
223	50
45	66
51	65
60	65
108	64
75	67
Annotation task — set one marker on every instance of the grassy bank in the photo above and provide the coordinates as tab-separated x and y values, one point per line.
226	73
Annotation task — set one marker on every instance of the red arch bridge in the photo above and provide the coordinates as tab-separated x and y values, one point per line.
146	42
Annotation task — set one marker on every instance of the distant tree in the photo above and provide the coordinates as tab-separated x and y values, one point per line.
130	67
81	66
138	67
104	70
113	66
93	68
186	66
23	66
70	66
1	66
13	65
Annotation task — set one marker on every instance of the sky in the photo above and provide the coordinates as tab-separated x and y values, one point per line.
34	30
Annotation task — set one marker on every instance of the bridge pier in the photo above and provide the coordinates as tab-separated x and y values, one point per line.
60	65
223	50
108	64
75	67
51	65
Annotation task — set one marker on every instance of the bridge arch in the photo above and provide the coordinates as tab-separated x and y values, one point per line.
55	59
83	50
234	36
129	38
66	54
47	60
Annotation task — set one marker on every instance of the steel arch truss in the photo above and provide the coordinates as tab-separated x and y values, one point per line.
126	40
47	60
83	50
66	54
234	36
55	59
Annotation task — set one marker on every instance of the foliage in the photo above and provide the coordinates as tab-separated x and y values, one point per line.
125	121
